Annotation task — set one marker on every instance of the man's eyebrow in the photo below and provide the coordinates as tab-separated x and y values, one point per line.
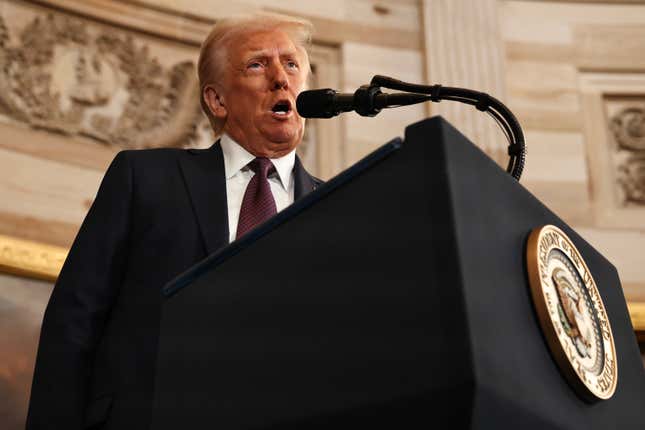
263	53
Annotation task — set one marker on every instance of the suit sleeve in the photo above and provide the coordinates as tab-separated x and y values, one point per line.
80	303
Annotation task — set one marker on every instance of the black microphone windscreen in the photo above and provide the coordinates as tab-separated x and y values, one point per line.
316	103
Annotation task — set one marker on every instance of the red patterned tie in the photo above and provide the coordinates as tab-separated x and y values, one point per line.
258	204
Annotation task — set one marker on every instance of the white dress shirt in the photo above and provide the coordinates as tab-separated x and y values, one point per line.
238	176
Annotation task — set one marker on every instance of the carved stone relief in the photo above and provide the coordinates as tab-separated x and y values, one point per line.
71	76
66	75
627	127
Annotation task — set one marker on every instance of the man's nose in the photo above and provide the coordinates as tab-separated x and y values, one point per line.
280	78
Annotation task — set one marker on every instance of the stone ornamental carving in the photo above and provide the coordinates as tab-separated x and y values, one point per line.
631	176
62	75
628	129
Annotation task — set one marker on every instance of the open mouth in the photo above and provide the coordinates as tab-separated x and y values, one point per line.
282	107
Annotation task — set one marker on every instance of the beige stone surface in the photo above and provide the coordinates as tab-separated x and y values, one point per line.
553	21
55	147
562	60
464	49
556	157
336	21
625	246
388	14
22	303
536	85
50	190
360	63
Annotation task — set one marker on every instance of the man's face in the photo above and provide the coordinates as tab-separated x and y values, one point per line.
264	74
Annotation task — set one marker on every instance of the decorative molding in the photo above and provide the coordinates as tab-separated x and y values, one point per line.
131	14
605	2
631	176
628	131
66	76
31	259
191	28
628	128
335	32
80	78
613	105
609	47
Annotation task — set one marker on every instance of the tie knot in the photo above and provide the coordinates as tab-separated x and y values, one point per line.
262	166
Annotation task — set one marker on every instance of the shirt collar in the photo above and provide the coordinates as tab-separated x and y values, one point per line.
236	158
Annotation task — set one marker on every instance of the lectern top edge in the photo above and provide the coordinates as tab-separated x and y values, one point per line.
247	240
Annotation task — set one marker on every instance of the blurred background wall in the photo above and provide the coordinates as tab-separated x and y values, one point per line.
82	79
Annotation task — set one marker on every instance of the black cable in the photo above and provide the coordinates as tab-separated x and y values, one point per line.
483	102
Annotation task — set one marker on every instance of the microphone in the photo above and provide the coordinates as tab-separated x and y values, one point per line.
366	101
323	103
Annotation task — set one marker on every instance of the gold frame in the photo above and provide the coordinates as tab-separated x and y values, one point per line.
41	261
637	315
31	259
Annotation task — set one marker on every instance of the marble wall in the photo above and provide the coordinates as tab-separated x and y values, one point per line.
572	69
80	80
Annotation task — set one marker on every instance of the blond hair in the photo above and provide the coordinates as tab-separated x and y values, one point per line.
214	50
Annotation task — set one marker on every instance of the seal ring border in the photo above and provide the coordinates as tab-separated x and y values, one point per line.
544	318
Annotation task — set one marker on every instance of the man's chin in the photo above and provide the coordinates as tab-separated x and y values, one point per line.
281	148
283	140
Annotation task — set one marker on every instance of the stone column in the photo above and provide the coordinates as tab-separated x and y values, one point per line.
464	48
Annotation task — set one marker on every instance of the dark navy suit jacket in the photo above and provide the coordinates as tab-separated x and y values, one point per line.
157	213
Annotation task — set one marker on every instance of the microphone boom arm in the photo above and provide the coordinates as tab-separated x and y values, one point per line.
482	101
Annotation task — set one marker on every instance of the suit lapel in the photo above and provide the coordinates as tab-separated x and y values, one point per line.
203	172
304	183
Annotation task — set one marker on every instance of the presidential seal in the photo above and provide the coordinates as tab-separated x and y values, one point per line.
571	313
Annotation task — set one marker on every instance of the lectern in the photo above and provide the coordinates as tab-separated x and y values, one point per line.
396	295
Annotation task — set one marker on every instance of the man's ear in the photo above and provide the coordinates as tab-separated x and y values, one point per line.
215	102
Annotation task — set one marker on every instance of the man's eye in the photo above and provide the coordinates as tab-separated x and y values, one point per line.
254	65
292	64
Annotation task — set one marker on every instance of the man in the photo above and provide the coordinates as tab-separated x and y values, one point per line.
157	213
